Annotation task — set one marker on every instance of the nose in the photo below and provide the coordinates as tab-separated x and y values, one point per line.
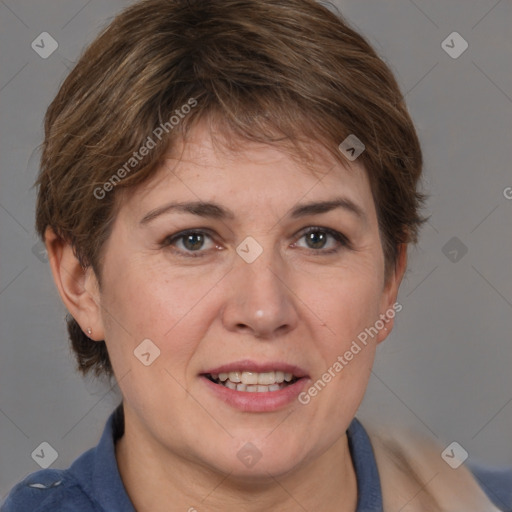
260	301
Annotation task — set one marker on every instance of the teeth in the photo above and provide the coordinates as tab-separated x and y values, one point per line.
253	382
249	378
253	388
235	376
267	378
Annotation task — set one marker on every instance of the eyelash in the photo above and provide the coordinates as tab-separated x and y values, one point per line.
342	240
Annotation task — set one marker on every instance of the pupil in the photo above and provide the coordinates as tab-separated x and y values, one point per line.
192	245
317	239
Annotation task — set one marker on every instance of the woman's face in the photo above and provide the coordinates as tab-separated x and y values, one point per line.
230	282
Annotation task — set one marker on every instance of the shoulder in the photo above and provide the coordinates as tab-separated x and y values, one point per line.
48	490
91	484
497	483
415	476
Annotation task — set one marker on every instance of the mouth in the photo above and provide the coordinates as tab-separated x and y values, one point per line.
255	387
253	382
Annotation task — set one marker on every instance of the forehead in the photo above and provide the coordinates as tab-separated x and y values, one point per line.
246	174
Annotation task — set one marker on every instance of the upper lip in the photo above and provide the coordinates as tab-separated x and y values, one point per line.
247	365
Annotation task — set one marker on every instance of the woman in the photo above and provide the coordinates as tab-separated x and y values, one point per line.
227	193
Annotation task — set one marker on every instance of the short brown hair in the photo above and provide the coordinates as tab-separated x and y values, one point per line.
272	71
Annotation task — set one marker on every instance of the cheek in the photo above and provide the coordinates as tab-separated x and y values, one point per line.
349	307
143	301
349	302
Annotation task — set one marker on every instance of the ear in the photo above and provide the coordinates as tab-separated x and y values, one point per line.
389	306
78	288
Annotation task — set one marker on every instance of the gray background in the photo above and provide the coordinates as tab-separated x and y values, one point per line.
445	370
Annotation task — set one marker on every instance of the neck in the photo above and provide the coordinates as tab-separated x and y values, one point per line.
159	480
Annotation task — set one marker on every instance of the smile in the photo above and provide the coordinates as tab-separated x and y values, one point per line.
253	382
252	386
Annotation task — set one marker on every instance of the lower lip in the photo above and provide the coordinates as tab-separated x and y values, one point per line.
266	401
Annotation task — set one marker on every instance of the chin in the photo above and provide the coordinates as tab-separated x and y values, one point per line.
244	461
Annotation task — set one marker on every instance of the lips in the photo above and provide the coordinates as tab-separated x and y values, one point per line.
256	387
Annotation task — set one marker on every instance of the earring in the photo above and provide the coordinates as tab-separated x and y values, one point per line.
89	331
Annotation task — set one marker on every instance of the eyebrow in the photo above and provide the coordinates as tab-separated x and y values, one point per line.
216	211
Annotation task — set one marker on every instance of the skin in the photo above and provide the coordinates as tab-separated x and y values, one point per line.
295	303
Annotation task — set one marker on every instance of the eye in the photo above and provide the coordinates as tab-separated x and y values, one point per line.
196	243
189	242
317	238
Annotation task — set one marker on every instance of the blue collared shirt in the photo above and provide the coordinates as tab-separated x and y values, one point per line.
93	483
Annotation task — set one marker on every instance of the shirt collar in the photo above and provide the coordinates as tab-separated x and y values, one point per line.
97	469
368	481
